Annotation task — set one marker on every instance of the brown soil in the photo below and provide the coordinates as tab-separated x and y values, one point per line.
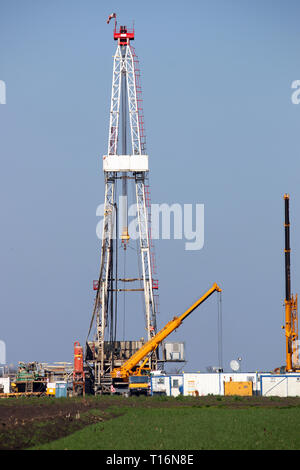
23	425
28	422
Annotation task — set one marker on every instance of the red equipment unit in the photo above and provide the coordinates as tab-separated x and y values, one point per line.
78	358
123	35
78	372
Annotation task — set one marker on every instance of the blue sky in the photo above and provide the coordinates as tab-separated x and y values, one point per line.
221	130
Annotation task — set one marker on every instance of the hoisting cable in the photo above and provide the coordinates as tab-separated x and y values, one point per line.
220	331
116	276
124	297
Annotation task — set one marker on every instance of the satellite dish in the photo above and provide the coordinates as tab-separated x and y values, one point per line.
234	365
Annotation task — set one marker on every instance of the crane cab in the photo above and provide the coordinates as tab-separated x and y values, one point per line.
139	385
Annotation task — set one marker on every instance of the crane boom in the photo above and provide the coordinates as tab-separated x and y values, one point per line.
126	369
291	301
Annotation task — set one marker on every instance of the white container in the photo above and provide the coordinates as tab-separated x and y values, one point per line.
281	385
173	351
176	382
199	384
51	388
160	385
5	382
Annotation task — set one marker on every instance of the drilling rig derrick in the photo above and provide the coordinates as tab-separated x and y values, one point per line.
125	164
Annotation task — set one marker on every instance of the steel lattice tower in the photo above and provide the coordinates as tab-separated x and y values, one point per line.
128	169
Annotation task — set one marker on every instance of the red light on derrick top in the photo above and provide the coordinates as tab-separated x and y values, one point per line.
124	35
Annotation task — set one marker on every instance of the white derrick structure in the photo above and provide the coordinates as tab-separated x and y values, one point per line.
136	167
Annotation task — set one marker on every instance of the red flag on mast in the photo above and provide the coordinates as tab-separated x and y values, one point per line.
113	15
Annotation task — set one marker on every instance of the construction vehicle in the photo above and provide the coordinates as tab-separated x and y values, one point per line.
133	376
140	384
30	378
291	303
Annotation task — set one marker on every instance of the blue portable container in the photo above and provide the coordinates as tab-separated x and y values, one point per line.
61	389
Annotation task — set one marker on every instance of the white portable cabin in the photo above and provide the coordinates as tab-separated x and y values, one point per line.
281	385
170	385
176	382
5	383
202	384
160	385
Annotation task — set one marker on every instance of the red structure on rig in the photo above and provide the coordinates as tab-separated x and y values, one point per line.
78	372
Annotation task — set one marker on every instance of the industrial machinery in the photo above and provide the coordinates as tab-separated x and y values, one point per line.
58	371
30	378
125	168
78	371
134	373
291	302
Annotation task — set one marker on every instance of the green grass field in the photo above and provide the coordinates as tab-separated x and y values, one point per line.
150	423
190	428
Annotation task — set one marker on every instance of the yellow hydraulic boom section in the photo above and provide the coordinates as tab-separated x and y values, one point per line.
291	301
142	354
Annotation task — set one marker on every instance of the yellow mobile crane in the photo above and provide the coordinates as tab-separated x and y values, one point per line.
137	376
291	302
